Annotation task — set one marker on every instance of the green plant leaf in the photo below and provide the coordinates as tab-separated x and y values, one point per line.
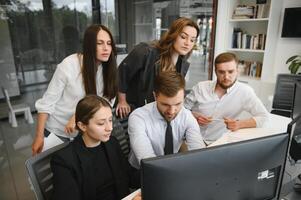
291	59
292	65
295	68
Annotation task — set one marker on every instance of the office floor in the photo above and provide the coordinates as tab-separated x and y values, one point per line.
15	148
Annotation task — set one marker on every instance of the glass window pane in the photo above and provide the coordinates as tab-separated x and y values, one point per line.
147	20
42	33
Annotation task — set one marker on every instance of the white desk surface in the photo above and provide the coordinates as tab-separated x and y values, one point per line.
277	124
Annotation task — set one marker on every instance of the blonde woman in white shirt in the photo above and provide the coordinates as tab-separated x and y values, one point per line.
92	72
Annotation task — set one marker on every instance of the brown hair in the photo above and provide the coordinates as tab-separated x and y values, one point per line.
169	83
89	67
165	44
87	107
225	57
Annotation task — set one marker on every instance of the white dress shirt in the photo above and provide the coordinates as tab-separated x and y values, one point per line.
147	127
240	97
63	93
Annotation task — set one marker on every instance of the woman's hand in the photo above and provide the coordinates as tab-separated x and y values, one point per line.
70	126
37	144
123	109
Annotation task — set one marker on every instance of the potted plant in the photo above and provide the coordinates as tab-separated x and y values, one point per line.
294	63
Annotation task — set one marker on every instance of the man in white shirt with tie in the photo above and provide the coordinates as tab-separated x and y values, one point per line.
160	127
217	104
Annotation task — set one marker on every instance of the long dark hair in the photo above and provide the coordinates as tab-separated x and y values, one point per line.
165	44
89	67
87	107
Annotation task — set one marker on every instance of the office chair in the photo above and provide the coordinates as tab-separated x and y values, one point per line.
40	174
284	94
13	109
120	127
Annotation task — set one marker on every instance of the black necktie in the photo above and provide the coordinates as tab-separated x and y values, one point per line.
168	149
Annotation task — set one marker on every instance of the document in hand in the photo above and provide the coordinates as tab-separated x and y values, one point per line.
51	141
132	195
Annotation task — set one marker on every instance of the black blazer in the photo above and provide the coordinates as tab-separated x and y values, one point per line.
73	171
137	72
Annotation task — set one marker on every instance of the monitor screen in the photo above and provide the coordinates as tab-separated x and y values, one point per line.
291	26
250	169
297	100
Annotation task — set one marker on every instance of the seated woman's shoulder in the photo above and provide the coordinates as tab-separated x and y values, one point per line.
64	153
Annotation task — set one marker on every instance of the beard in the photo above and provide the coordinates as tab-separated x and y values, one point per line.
220	84
166	117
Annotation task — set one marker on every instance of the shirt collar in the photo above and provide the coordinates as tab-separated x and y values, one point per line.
232	87
156	112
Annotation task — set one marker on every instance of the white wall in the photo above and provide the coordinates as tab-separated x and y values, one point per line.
286	47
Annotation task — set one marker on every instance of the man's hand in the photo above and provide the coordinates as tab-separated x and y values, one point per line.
231	124
37	145
123	109
70	126
202	120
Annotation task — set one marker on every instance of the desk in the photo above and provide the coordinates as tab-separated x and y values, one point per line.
277	124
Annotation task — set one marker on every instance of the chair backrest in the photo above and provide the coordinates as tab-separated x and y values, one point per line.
284	91
120	131
39	171
5	93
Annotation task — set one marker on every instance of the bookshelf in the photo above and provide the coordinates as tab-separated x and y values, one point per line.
265	26
248	25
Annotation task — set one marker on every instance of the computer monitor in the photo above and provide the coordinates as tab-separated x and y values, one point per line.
297	100
250	169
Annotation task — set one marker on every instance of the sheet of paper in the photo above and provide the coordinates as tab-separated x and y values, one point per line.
132	195
51	141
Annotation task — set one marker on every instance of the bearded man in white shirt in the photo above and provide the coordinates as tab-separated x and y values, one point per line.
217	104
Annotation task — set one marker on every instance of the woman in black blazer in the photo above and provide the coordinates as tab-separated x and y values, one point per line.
92	166
139	69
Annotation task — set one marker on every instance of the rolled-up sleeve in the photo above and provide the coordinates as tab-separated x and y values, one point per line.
54	91
256	108
194	139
